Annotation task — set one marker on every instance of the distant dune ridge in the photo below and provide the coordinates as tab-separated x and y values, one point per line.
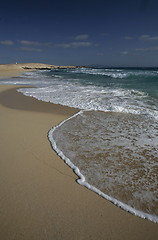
8	70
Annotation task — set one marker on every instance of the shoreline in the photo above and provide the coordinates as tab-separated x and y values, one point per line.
82	180
40	191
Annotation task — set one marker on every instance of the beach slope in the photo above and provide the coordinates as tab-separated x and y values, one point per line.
39	197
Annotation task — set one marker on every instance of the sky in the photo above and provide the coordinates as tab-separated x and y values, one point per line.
111	33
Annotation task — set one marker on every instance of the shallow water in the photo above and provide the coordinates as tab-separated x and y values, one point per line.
117	153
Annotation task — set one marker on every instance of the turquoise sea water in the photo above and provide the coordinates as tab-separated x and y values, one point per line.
112	143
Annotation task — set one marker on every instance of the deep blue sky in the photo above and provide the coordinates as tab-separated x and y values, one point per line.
108	32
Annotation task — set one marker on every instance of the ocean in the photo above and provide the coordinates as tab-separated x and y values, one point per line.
112	142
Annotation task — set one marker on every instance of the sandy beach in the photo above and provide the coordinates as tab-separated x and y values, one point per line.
39	196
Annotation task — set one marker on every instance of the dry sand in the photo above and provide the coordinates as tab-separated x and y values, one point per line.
39	198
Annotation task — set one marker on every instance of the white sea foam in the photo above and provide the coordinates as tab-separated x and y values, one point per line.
115	73
94	98
59	90
82	178
103	72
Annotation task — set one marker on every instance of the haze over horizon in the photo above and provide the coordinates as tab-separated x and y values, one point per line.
109	33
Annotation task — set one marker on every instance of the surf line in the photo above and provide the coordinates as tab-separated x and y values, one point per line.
82	180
